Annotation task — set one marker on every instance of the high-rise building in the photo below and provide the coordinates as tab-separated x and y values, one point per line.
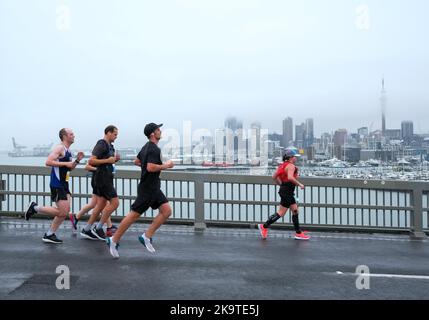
407	129
233	124
256	126
287	132
340	137
309	133
300	135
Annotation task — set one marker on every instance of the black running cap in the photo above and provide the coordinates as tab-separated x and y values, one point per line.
150	128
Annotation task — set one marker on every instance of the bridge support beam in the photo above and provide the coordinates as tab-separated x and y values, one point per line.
416	231
199	224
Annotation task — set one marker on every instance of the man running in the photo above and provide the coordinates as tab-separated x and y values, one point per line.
62	163
286	175
103	158
74	218
149	194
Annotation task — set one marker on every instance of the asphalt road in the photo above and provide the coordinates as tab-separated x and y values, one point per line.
225	264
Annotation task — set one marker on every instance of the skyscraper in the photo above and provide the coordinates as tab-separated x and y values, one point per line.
309	133
300	135
233	124
407	129
340	137
287	132
256	126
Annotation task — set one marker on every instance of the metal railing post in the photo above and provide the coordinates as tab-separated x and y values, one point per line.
2	197
199	224
416	227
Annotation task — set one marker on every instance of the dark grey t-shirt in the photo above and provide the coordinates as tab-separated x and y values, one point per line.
150	153
104	150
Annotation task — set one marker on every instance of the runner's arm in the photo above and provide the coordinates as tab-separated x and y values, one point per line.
54	155
95	162
152	167
88	167
276	178
290	176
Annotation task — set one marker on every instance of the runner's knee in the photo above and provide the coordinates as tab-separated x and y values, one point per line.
63	213
166	212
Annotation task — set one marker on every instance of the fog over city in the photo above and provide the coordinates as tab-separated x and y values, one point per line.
86	65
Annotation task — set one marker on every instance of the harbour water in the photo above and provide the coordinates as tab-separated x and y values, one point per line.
230	192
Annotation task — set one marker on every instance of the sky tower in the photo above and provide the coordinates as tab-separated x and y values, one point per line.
383	108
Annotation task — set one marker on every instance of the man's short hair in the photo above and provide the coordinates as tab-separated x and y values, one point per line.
110	128
62	133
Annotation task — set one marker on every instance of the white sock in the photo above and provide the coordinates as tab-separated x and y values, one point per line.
100	226
36	208
50	232
88	227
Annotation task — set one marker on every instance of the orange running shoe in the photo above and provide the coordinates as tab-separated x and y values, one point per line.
302	236
263	230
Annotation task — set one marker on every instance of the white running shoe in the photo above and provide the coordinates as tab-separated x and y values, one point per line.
113	247
147	242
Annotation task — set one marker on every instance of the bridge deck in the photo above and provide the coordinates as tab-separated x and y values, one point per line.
219	264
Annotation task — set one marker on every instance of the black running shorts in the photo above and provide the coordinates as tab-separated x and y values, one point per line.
287	195
58	194
147	200
287	201
102	185
93	184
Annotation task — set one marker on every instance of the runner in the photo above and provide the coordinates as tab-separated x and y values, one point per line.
286	175
62	163
74	218
149	194
103	158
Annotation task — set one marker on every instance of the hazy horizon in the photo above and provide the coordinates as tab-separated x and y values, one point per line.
85	65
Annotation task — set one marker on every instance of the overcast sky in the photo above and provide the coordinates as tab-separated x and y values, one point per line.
85	64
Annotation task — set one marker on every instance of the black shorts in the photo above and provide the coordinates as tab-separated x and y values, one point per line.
287	201
146	200
60	193
102	184
287	195
93	184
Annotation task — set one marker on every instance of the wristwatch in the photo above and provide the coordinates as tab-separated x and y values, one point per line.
77	162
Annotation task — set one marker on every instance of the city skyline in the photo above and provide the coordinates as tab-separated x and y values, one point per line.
86	66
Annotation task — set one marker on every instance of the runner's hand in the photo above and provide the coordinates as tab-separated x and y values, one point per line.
80	156
111	160
169	164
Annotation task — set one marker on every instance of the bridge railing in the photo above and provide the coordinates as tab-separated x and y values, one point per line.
205	199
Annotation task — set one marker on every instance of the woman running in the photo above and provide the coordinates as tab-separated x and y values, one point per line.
286	176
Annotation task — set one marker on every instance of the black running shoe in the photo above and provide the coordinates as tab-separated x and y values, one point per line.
88	235
99	233
51	239
30	211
